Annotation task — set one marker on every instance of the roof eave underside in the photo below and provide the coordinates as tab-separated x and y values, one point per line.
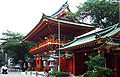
56	20
25	38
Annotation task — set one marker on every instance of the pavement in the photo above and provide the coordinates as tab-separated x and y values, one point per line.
14	74
34	73
17	73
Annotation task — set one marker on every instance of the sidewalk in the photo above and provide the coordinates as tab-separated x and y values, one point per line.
37	74
34	73
14	74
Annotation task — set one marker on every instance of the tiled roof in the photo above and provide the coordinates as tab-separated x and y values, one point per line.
67	22
61	9
91	36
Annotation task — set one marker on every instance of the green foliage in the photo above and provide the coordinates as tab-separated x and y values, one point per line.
101	12
90	74
29	56
103	71
14	46
95	60
58	74
100	72
96	67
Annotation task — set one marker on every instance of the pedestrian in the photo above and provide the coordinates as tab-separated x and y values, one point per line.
4	69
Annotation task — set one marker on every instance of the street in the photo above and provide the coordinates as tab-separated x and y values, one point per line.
14	74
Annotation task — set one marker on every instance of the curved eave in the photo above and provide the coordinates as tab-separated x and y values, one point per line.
45	20
88	44
68	22
88	39
26	38
43	48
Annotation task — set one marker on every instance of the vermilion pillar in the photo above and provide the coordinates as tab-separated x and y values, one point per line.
73	63
36	62
48	65
116	65
39	62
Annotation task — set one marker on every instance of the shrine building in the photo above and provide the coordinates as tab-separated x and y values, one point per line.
77	41
105	40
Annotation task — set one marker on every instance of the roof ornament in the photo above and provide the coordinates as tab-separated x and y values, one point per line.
43	14
61	9
113	41
109	41
106	30
66	2
64	5
97	36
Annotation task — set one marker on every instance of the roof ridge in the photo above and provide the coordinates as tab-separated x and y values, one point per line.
101	31
93	35
95	32
68	22
63	7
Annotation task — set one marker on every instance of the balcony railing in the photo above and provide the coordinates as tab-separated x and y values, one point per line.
48	42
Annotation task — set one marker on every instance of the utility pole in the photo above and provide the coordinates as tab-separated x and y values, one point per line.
59	43
119	13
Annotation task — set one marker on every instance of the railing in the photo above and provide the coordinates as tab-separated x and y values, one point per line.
47	42
33	48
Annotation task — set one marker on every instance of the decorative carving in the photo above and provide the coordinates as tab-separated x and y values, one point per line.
98	36
45	19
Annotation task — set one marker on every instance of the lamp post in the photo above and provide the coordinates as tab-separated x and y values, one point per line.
44	59
53	63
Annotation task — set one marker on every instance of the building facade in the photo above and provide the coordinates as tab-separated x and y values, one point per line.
78	41
51	33
105	41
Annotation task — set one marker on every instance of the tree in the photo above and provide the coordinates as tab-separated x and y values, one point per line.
95	60
14	46
96	67
102	13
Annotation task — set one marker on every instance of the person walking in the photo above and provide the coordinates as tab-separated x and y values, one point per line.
4	69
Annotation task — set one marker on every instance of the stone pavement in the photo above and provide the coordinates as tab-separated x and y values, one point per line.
34	73
15	74
22	74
